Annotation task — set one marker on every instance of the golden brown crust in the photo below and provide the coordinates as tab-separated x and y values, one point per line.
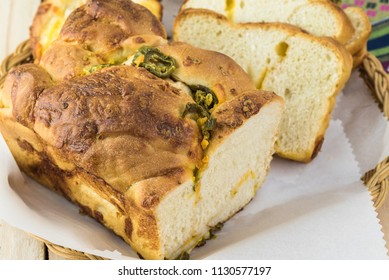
38	24
123	109
195	65
25	84
154	6
347	30
360	37
51	16
359	57
98	33
235	112
102	25
64	61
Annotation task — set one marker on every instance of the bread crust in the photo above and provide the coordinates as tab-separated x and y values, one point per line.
235	112
193	66
359	57
359	39
51	15
99	33
345	28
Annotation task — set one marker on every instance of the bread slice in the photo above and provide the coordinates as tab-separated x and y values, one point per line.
160	151
52	14
362	27
318	17
307	71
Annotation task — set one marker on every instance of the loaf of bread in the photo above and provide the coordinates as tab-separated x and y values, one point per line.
160	142
51	16
306	70
351	27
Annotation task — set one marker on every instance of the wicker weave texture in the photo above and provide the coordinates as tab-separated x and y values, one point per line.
373	74
377	80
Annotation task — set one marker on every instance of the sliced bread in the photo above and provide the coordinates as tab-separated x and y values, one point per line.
318	17
350	26
306	70
362	27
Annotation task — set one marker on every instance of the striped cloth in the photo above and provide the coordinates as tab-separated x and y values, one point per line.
378	12
378	43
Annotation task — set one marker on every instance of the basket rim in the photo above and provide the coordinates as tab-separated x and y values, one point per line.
376	179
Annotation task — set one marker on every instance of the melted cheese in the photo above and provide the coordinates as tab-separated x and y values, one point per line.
230	6
248	175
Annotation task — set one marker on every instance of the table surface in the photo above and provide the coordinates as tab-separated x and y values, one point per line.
15	18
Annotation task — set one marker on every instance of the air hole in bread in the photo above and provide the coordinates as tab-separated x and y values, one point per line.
268	60
287	93
241	4
219	33
282	48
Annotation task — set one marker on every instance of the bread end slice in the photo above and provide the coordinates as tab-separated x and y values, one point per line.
362	27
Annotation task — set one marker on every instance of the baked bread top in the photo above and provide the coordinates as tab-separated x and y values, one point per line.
121	123
98	33
52	14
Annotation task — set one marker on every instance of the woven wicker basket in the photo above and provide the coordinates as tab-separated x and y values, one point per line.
376	180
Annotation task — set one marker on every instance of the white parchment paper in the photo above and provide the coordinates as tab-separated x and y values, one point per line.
319	210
